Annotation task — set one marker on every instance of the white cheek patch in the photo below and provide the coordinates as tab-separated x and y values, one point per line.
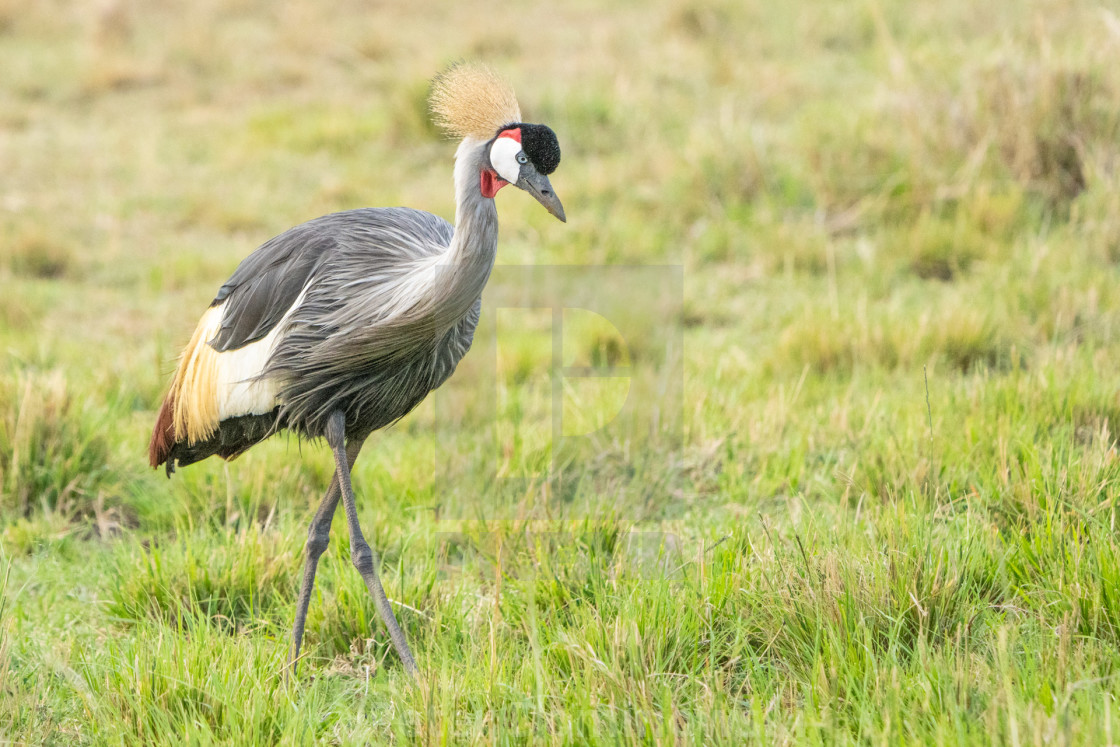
503	157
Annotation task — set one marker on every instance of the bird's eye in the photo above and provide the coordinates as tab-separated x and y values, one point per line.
522	158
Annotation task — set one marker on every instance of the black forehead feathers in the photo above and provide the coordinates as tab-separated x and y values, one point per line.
540	144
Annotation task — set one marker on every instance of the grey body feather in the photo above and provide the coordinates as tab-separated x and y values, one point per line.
380	329
386	301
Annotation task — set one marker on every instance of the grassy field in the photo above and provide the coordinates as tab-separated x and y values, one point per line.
873	501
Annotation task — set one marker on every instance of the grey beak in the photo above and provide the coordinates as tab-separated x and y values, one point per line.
538	186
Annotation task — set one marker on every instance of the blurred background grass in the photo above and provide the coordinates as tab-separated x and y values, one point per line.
863	196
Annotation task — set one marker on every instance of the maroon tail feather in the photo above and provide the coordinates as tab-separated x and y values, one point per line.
163	435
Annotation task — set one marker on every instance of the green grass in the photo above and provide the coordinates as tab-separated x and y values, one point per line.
885	513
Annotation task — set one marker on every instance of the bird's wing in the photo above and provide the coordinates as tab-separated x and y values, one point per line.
270	280
266	285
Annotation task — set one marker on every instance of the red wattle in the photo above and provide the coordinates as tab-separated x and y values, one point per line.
489	183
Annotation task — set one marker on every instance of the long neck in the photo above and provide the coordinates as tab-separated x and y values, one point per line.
432	294
476	219
462	271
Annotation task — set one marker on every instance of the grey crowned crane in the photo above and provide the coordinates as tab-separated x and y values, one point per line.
343	324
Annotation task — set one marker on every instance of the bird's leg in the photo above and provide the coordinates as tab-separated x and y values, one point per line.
318	537
363	557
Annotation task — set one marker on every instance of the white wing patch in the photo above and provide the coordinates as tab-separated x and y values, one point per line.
210	386
241	390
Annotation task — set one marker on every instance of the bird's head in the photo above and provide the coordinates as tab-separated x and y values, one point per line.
472	102
524	155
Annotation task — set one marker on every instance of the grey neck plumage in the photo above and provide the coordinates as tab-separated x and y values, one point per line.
462	271
469	259
407	318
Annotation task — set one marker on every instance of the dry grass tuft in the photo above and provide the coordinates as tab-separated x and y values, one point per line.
37	252
52	458
965	339
1046	125
942	250
10	11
